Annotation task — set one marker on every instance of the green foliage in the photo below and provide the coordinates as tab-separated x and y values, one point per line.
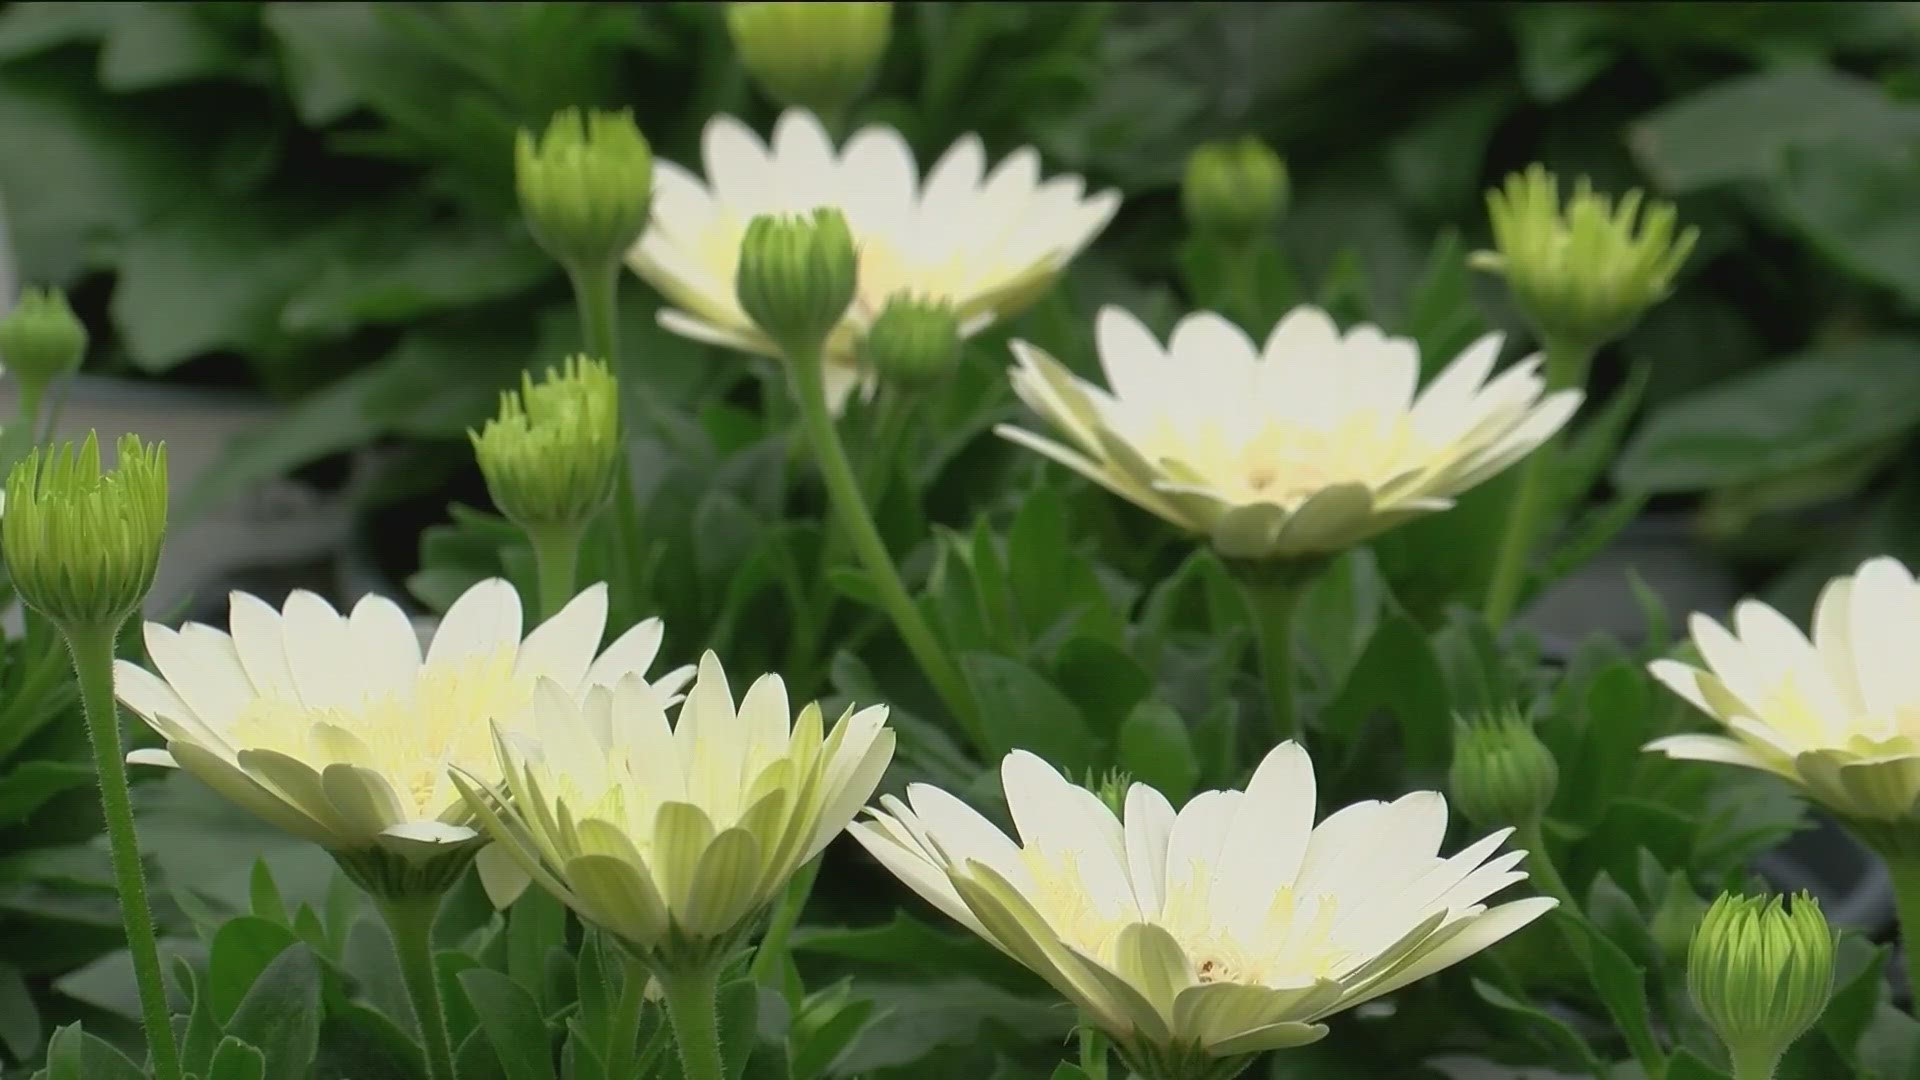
317	201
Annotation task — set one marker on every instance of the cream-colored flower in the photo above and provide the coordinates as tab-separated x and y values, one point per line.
673	837
336	728
1838	716
1307	445
985	242
1231	927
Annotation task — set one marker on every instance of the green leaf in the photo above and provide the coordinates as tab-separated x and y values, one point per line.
1102	679
1021	710
19	1016
512	1024
356	1042
75	1055
1746	126
32	783
235	1060
264	896
1545	1023
536	925
1068	1071
1398	674
912	947
1852	203
739	1009
242	948
1157	749
1793	415
823	1042
1622	987
202	1034
161	44
280	1015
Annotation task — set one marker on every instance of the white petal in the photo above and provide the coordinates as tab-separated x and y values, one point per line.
320	653
484	622
385	645
562	648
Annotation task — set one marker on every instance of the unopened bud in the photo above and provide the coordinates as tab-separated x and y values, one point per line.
819	56
914	343
551	456
1502	773
585	186
1234	189
797	275
82	545
1761	975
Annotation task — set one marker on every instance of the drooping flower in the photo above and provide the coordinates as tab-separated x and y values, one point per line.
673	837
337	729
1305	446
986	243
1837	715
1231	927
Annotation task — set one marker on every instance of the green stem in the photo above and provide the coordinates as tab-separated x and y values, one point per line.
1273	589
623	1033
1905	873
410	921
1093	1052
595	292
844	492
31	395
92	649
773	946
1749	1064
1546	877
693	995
556	555
1566	368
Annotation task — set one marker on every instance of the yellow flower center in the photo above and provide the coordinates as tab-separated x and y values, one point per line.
410	738
1282	462
1293	941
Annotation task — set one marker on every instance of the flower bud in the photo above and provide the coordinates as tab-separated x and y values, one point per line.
1582	275
41	340
818	56
585	186
1760	975
82	545
797	275
1110	788
914	343
1502	773
1234	189
551	456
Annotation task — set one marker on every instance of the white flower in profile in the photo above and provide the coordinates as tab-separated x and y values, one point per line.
337	729
985	242
1229	928
673	837
1306	445
1837	715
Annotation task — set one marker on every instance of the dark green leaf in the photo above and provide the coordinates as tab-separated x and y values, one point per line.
264	895
75	1055
235	1060
1021	710
912	946
1621	985
281	1013
1744	127
32	783
242	949
1157	750
1685	1065
19	1016
512	1024
536	925
1553	1029
1398	674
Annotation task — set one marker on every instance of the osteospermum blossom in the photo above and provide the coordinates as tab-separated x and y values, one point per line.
1306	445
672	837
1838	715
337	729
984	242
1231	927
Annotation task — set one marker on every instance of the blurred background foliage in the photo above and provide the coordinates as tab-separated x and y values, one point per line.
314	200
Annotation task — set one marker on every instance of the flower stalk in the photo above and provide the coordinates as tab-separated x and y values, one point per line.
692	993
1273	589
410	920
1566	369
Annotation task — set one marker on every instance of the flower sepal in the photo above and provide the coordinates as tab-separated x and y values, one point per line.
389	875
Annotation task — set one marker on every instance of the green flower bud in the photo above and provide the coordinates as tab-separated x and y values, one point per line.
1760	975
585	186
1502	773
551	457
797	276
1584	275
82	545
1235	189
914	343
1110	788
41	340
818	56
